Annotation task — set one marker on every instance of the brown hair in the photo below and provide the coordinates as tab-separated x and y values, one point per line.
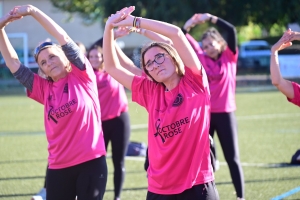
215	34
170	50
99	49
41	73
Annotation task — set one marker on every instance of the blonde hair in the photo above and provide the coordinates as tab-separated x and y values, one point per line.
41	73
170	50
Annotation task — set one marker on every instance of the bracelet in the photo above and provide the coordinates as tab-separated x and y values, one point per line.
134	22
138	22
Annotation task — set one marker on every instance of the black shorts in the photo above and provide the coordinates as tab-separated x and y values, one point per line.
206	191
87	181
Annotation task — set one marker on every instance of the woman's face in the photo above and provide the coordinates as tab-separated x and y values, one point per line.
96	59
211	47
159	64
53	63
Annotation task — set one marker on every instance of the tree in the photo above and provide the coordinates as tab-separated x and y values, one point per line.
265	13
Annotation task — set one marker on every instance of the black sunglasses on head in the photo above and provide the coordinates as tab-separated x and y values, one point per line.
41	47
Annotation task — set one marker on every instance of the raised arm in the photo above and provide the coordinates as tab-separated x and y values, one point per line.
231	38
127	62
22	73
200	18
154	36
49	25
70	48
173	32
8	52
112	63
283	85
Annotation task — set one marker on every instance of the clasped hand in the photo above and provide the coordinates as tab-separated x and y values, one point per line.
121	18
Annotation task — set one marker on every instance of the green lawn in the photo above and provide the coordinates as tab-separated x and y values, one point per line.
269	134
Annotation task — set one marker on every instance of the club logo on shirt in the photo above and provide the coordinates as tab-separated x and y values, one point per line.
157	124
171	130
178	101
56	113
50	97
66	88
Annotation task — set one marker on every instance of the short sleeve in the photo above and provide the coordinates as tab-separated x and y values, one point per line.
296	99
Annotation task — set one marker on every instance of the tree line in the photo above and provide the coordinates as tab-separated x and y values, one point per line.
264	13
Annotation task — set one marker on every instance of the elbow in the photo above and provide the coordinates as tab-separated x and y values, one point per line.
275	82
13	65
177	32
169	42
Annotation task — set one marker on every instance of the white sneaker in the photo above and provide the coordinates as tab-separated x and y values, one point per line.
217	165
41	195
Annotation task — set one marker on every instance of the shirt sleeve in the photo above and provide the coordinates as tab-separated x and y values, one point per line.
231	38
25	76
141	88
296	99
198	80
40	85
74	55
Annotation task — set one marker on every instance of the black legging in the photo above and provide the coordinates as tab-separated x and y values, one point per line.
86	180
226	127
117	130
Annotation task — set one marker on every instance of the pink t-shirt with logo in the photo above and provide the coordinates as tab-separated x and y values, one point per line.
178	127
221	75
72	117
296	99
112	96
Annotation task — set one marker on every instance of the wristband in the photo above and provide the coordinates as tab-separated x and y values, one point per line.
134	22
138	22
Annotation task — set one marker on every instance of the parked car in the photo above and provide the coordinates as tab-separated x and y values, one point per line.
254	54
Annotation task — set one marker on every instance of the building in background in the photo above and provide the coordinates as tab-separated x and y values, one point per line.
76	28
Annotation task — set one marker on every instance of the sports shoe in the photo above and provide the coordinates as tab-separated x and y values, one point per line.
41	195
217	165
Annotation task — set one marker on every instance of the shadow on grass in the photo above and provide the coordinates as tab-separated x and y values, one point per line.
282	165
263	180
21	161
145	188
22	178
15	195
109	190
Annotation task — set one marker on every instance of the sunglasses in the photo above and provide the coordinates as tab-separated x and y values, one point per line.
41	47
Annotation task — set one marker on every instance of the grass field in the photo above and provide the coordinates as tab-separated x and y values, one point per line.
269	134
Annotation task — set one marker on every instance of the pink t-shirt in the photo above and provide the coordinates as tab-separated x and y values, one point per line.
296	99
72	117
178	129
111	95
221	75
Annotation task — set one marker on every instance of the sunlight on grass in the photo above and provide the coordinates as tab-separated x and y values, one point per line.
268	128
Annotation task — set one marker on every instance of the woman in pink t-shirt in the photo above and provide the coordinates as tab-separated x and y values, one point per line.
72	118
178	102
114	115
290	89
219	58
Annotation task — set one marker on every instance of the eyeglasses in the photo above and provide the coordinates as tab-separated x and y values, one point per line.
158	59
41	47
